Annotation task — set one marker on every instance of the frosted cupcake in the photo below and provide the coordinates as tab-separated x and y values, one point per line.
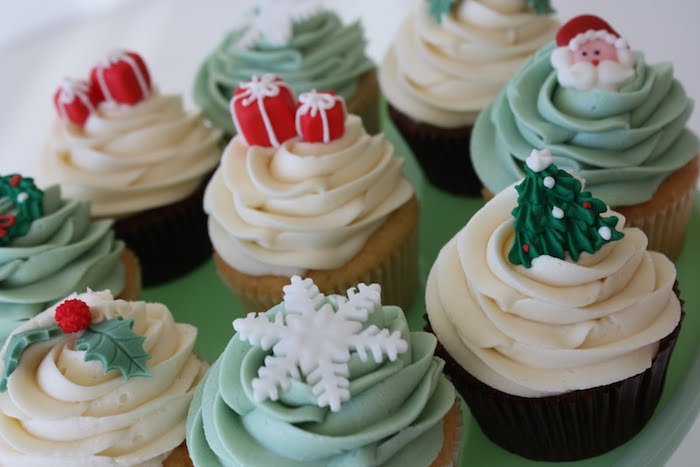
448	61
552	315
606	114
356	387
309	192
50	248
95	381
138	156
301	42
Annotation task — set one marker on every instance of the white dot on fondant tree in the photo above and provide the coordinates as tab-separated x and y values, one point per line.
557	212
605	232
549	182
22	197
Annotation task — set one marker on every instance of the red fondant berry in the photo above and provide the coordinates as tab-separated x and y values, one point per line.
73	315
587	205
14	181
526	248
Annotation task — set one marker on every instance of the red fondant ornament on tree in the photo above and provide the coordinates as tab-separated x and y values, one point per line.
591	54
263	111
320	117
122	77
76	99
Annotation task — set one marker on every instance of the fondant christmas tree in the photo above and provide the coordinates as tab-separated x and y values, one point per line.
554	217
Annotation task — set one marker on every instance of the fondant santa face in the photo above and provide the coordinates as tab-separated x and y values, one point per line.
592	55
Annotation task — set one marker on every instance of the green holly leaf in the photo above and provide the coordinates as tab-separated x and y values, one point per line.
541	7
116	346
19	342
439	8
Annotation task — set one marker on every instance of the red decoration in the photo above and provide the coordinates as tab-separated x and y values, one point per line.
526	248
6	220
263	111
14	181
580	25
73	315
122	77
320	117
587	205
75	100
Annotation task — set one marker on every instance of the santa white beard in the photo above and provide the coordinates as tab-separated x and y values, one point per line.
608	75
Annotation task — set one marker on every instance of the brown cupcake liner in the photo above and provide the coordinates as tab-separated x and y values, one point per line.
452	438
365	101
168	240
179	457
571	426
664	218
389	258
132	280
442	153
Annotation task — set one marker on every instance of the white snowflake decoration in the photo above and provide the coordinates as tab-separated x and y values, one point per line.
315	341
274	21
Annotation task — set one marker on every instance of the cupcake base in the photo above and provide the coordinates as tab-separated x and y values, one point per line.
452	435
389	258
365	101
442	153
570	426
168	240
179	457
132	281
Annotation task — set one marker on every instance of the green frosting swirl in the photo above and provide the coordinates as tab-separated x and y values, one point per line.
63	252
322	54
394	416
623	143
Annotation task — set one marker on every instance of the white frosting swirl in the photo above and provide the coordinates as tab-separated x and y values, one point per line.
303	205
131	158
62	411
445	73
558	326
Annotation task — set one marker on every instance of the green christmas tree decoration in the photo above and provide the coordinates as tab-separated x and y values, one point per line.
21	203
439	8
20	341
541	7
554	217
116	346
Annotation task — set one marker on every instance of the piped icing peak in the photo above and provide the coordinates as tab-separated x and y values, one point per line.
554	217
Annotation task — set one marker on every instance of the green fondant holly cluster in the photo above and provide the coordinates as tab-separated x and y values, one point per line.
111	342
444	7
21	203
554	217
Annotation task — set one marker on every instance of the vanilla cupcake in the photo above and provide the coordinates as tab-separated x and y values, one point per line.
138	156
331	204
551	314
448	61
95	381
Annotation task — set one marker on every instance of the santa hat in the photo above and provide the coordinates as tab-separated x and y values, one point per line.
584	28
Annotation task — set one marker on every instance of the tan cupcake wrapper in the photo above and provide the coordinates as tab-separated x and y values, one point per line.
452	438
132	281
179	457
389	258
365	101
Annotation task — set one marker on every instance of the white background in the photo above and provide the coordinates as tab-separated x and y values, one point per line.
42	41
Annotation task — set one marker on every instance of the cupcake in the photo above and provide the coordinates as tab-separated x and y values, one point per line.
299	41
140	158
556	323
448	61
325	380
606	114
309	193
98	381
50	248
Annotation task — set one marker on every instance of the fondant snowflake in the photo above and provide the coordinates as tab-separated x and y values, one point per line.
315	341
274	20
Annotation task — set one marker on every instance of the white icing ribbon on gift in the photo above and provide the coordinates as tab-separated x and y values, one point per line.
113	58
313	103
257	90
69	90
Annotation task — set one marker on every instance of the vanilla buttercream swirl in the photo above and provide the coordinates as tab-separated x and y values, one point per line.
445	73
129	159
321	54
558	326
623	143
63	251
393	418
303	205
60	410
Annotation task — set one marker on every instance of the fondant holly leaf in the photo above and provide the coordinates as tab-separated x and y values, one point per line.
541	7
439	8
116	346
20	341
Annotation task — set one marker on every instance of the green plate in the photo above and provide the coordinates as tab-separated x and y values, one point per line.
201	298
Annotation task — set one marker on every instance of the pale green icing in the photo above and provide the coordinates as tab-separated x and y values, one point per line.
394	416
322	54
623	143
63	252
